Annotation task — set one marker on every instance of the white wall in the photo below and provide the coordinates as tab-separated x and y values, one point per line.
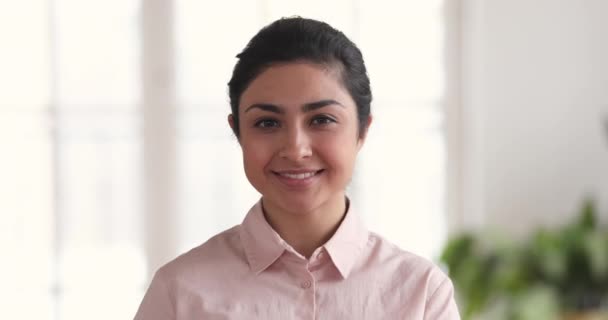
534	93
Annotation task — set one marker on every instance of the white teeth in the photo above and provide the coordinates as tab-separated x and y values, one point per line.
298	175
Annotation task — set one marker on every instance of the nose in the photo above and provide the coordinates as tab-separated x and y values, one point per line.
296	145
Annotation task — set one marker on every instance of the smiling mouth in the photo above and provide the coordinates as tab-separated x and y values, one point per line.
302	175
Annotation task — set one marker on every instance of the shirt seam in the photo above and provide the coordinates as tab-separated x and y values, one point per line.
443	282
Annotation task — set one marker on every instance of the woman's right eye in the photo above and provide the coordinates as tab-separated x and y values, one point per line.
266	124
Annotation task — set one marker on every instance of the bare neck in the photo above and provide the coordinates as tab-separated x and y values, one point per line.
306	231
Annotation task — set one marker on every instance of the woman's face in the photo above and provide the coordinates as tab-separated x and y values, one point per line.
299	136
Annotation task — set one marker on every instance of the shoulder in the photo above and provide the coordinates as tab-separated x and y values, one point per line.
203	270
406	277
222	251
412	270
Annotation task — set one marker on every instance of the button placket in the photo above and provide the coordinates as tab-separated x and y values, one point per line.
307	280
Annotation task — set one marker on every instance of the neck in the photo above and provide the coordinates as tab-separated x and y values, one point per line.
306	231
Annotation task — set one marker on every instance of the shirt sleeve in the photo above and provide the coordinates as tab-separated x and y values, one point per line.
157	303
441	304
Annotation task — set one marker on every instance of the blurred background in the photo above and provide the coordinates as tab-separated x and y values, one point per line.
115	153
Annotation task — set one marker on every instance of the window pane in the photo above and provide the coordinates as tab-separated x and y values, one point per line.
26	216
97	52
100	177
24	53
100	220
27	303
207	42
403	46
338	13
104	278
400	177
215	192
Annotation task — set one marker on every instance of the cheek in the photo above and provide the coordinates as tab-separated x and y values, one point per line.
340	153
256	157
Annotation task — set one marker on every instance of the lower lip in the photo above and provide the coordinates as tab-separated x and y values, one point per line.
298	183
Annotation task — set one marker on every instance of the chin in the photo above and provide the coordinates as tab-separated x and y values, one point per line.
296	203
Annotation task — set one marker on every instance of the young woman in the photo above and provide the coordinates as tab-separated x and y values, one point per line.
300	99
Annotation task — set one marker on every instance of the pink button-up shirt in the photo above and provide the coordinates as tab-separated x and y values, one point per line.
249	272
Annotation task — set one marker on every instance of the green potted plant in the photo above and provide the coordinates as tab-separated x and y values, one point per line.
554	274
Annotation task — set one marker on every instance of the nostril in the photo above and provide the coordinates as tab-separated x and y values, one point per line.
296	151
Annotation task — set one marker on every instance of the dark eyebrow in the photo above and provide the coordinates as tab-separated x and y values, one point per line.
266	107
311	106
319	104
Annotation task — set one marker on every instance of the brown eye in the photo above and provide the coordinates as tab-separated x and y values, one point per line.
322	120
266	124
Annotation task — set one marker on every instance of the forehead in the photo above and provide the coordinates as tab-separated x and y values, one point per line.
294	84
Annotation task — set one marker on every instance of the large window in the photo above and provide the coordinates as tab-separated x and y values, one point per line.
116	154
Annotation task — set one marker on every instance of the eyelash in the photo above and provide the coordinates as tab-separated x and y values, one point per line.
262	123
326	120
259	123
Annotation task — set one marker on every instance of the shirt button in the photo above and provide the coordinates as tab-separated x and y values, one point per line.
305	284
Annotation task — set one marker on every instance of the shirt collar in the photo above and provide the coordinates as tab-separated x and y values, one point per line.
346	244
263	245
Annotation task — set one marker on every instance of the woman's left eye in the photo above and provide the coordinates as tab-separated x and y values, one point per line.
322	120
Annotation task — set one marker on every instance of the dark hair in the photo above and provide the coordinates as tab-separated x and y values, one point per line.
299	39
